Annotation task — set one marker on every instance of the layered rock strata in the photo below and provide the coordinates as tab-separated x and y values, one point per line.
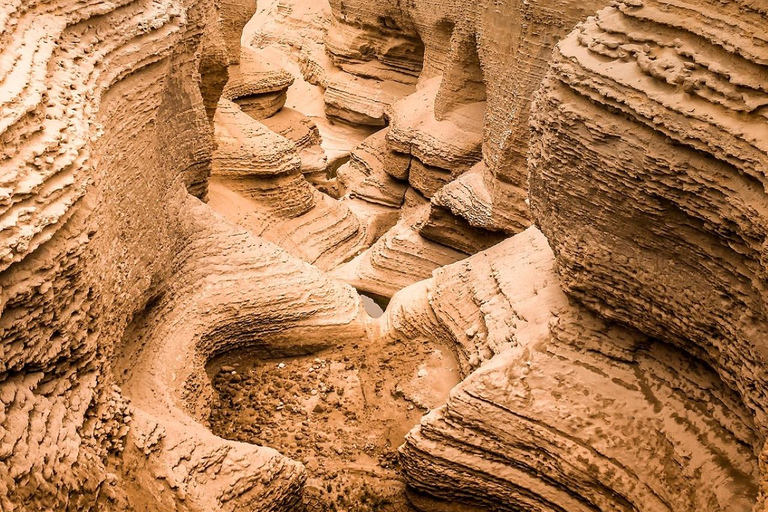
104	129
441	149
423	153
493	53
376	57
374	40
569	412
259	185
643	388
652	122
482	62
259	88
400	257
229	290
372	173
221	48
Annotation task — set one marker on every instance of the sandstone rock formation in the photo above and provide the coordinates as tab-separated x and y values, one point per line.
570	413
258	87
181	182
661	106
103	132
640	180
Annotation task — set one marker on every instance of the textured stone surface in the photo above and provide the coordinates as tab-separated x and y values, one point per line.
229	291
103	127
681	254
377	57
384	145
259	185
259	87
400	257
570	412
489	53
375	40
648	175
371	173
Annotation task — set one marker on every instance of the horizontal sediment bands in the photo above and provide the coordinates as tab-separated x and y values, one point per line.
259	184
46	127
648	174
517	435
652	127
568	412
103	130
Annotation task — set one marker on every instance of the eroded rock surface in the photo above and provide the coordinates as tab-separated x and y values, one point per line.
662	111
161	353
104	130
570	412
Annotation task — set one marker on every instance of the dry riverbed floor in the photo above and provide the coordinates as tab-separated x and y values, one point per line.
342	412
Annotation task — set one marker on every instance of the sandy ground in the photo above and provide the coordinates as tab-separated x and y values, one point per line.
342	412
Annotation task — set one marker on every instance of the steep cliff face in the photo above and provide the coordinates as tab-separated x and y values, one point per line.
482	61
375	40
489	55
670	138
258	183
648	177
613	360
103	129
74	129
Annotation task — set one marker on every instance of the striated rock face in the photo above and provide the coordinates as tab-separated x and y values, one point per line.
572	413
486	56
482	61
104	129
230	291
91	96
259	185
169	198
670	138
380	55
221	49
375	40
258	87
647	176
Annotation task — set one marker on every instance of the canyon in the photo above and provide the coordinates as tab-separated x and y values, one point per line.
346	255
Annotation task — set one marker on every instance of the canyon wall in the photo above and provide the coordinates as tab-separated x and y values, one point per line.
612	355
563	410
92	95
482	62
461	128
661	110
646	176
104	132
666	144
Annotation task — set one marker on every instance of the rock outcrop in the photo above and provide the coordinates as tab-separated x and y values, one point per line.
104	130
258	184
646	179
258	87
569	412
377	57
670	138
229	291
481	64
489	53
612	355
